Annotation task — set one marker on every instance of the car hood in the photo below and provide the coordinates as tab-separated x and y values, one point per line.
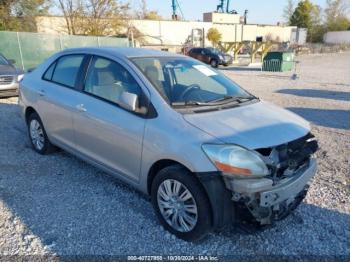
257	125
9	70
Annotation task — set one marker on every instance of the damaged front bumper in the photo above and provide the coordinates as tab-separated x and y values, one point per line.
255	201
267	201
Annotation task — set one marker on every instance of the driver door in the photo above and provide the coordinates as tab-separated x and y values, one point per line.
104	132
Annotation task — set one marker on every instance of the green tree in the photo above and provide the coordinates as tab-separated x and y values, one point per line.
214	36
19	15
307	15
317	29
7	20
302	15
336	15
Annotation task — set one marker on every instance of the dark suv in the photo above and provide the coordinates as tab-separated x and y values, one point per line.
211	56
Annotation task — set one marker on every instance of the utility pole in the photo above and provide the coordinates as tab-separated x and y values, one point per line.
245	16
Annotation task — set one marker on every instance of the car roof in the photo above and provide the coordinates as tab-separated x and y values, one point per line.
126	52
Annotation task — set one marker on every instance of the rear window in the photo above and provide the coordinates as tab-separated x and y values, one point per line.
65	71
49	72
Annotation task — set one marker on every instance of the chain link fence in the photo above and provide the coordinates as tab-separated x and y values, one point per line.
30	49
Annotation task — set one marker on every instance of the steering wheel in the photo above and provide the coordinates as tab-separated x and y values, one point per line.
187	91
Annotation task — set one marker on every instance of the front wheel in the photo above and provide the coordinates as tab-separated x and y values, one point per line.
214	63
181	204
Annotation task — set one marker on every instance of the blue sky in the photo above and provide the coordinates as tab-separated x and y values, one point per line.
260	11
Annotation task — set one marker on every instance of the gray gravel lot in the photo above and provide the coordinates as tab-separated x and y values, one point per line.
58	204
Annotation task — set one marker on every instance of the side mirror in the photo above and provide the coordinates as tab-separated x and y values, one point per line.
128	101
11	61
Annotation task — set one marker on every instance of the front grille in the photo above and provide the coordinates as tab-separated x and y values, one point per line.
6	80
296	153
290	156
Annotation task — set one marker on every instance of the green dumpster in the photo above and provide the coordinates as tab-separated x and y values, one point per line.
278	61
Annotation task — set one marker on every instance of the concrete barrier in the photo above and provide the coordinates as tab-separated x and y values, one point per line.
340	37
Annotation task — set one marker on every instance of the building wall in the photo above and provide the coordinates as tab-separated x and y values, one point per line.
51	25
179	32
221	18
341	37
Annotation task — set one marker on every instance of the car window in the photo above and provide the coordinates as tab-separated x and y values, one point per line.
49	72
67	69
108	79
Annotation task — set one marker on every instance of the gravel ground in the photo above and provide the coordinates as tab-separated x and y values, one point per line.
58	204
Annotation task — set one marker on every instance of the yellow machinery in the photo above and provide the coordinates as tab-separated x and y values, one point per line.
255	47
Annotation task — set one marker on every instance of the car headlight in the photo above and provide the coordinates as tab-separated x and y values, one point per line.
236	161
20	77
221	57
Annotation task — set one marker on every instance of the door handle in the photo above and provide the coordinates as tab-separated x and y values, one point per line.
81	108
41	92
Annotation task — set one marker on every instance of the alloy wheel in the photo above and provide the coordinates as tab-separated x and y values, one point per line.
177	205
36	134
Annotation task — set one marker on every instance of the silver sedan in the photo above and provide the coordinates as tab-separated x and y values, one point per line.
10	76
207	152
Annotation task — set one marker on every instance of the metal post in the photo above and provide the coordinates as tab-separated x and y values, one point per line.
203	36
235	33
20	50
132	38
60	42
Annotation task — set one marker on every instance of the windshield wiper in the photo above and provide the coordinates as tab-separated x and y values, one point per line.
188	103
238	99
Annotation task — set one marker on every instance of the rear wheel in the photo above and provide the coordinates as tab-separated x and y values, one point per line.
37	135
181	204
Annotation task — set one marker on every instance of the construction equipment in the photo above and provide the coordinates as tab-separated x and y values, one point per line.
221	7
175	5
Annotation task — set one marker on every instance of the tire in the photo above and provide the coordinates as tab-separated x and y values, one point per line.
200	211
37	135
214	63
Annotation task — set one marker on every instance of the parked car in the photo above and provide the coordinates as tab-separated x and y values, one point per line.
211	56
207	152
9	77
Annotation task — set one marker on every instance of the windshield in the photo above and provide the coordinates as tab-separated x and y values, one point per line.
3	61
215	51
188	81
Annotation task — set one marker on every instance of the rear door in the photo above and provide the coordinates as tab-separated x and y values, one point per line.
106	133
205	56
59	98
